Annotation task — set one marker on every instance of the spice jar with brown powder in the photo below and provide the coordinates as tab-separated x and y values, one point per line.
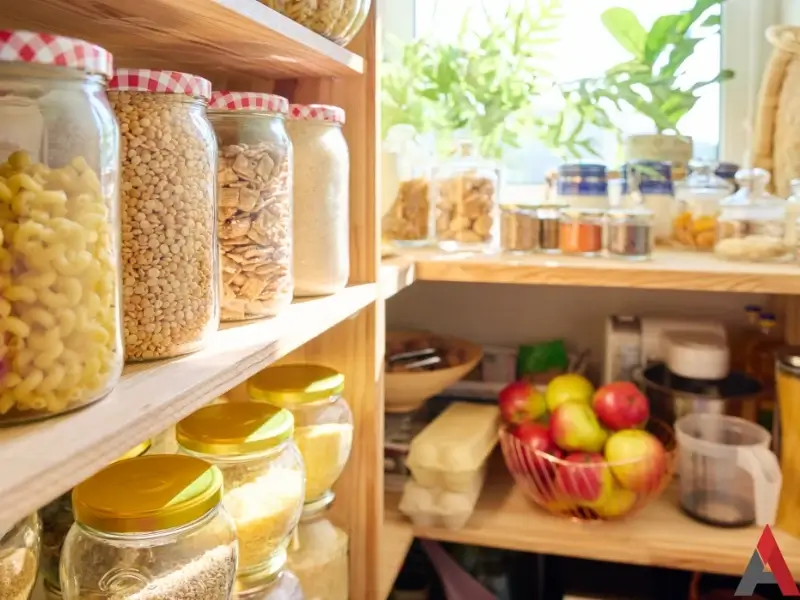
519	229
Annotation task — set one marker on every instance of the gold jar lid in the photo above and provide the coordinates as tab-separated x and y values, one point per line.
137	450
148	494
288	385
235	428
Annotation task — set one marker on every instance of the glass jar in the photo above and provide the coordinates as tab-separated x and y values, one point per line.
254	203
358	23
519	229
583	185
581	231
19	558
170	260
320	16
323	421
318	555
321	199
752	222
694	225
727	171
465	196
57	518
652	180
549	217
251	443
150	528
350	11
279	586
59	244
630	233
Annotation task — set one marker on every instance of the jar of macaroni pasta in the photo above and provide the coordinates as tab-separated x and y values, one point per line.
61	346
251	443
358	23
254	203
170	260
321	199
318	555
283	585
149	528
321	16
19	558
347	18
323	421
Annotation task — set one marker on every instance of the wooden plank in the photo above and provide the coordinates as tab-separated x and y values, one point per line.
397	538
396	274
40	461
661	535
204	37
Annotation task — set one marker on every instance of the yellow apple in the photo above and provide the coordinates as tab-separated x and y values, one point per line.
618	502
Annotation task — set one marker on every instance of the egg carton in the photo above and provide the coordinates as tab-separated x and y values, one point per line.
439	507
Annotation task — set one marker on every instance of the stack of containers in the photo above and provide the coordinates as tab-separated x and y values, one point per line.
447	461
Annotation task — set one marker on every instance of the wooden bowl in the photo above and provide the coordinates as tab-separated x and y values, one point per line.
408	391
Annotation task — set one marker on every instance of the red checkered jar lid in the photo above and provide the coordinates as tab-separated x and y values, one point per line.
248	101
54	50
316	112
160	82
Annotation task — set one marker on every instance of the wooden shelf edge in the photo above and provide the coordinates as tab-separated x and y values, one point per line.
396	274
42	460
396	540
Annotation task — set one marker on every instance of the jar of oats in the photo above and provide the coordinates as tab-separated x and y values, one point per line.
254	203
323	421
19	558
61	346
321	199
170	278
320	16
251	443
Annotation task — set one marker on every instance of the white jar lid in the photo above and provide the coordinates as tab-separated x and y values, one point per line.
697	355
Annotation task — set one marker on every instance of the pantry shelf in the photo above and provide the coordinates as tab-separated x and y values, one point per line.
396	274
213	38
42	460
659	536
397	538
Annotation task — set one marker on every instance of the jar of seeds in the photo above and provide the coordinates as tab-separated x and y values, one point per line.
254	203
549	217
519	229
150	528
630	233
19	558
169	251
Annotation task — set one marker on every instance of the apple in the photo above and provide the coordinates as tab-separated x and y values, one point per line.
520	401
621	405
536	440
569	387
575	428
584	478
637	459
617	503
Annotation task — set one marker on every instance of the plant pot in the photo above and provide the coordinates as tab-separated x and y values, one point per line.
675	149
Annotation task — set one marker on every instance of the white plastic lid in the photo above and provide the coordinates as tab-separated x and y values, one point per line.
697	355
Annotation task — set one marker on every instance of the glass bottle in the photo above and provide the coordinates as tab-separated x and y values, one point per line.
697	198
761	351
741	337
752	222
19	558
465	200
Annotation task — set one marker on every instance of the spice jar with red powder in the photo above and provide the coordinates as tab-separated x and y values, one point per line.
581	231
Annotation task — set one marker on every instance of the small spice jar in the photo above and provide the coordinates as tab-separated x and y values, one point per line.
583	185
318	555
654	183
283	585
251	443
581	231
57	518
630	233
549	217
148	528
19	558
323	421
170	259
254	203
519	229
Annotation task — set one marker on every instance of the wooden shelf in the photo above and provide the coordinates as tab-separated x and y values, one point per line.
669	270
42	460
659	536
397	538
396	274
213	38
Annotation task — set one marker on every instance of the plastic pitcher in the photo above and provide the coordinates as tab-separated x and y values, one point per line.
728	475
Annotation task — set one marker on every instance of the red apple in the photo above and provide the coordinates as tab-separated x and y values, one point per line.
621	405
520	402
637	459
585	479
575	428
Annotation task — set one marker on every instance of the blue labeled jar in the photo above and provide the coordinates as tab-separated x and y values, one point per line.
653	181
582	185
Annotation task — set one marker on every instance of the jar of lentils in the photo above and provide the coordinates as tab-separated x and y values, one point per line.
321	199
254	197
169	251
61	344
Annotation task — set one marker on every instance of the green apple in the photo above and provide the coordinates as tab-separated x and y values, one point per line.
569	387
637	458
575	428
616	503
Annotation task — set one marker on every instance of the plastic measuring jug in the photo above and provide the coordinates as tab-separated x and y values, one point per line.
728	475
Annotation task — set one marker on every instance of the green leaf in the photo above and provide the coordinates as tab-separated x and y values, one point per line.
712	21
660	36
624	25
693	15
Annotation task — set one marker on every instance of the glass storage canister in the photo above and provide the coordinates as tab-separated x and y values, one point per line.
278	586
320	16
59	241
697	199
57	518
519	229
170	277
150	528
727	171
347	18
254	203
581	231
321	199
652	182
358	23
19	558
465	200
583	185
752	223
630	233
251	443
318	555
323	421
